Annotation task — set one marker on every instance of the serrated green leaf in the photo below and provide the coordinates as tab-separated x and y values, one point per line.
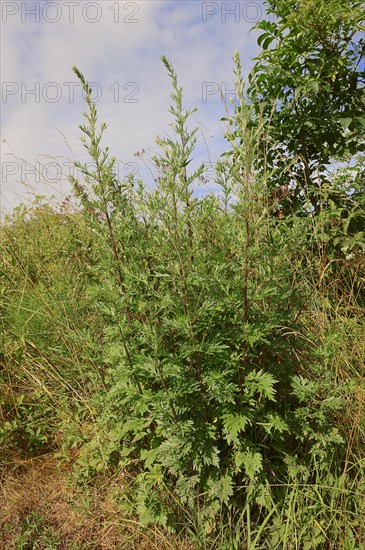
233	424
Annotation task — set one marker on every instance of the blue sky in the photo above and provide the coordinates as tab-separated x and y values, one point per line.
117	45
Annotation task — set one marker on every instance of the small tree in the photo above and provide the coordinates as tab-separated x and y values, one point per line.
308	83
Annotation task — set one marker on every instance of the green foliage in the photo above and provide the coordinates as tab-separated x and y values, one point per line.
49	332
204	339
36	535
210	349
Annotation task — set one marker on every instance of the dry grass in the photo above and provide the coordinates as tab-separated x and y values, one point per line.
76	520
